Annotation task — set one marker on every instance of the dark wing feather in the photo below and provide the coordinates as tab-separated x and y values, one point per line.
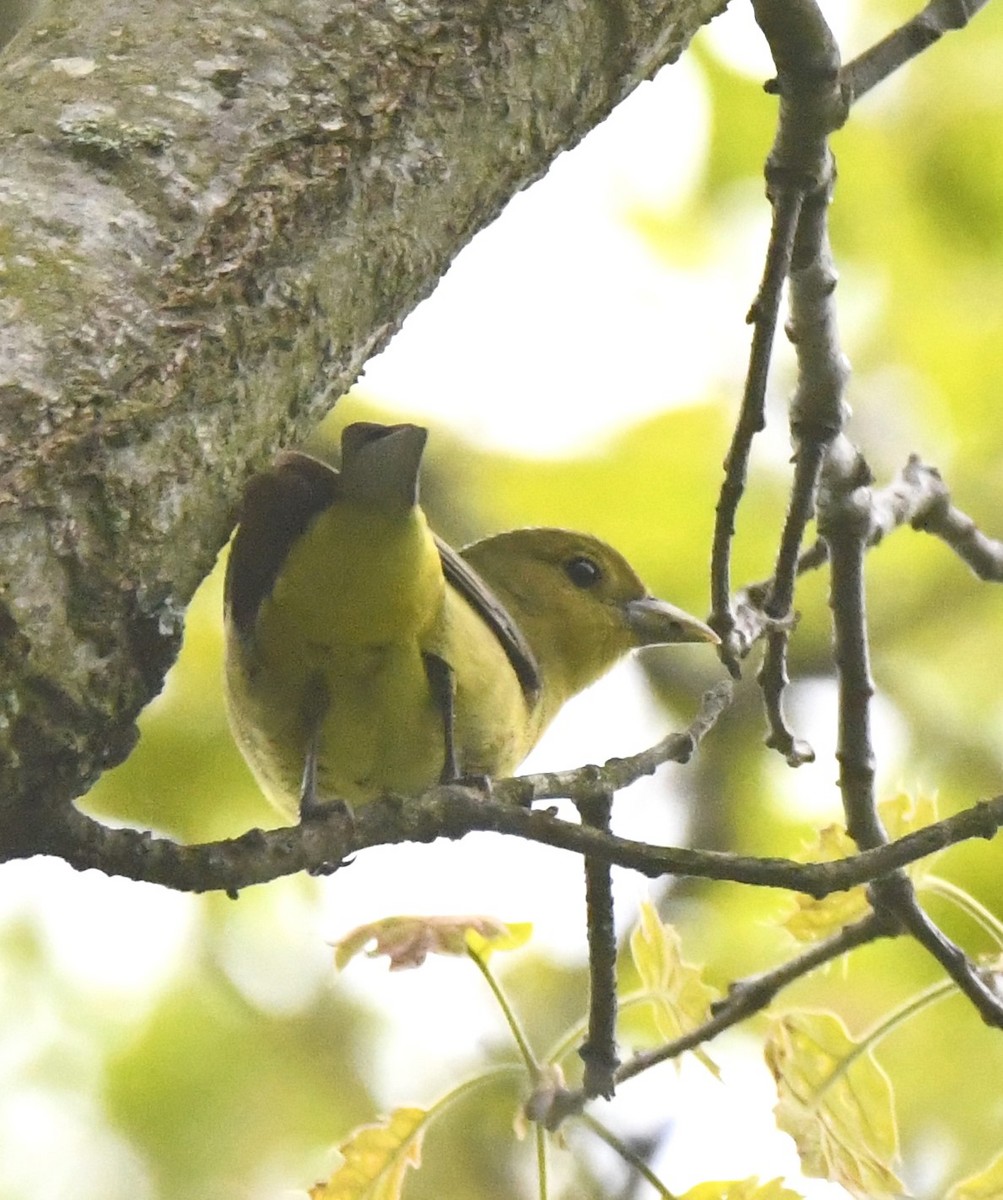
278	506
462	576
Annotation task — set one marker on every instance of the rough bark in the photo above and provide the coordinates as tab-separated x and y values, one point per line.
211	215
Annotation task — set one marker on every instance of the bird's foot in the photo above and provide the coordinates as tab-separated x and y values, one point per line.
476	783
318	870
313	813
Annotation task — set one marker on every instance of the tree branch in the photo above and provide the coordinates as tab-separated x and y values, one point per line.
844	522
917	496
799	171
905	43
938	517
745	998
751	418
598	1052
452	812
814	101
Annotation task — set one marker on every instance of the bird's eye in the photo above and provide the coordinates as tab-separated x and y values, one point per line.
584	572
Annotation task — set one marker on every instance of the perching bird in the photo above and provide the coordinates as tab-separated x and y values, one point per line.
364	656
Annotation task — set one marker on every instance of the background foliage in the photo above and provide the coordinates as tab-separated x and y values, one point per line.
177	1047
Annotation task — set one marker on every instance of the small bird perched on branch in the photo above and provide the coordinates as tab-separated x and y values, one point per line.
365	656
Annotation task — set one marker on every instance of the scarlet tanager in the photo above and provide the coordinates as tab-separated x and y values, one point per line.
365	656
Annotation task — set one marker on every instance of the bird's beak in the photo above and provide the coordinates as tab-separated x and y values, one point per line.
656	623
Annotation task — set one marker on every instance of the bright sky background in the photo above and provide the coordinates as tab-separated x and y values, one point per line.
558	298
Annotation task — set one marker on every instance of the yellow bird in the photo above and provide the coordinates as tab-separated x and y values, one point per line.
364	656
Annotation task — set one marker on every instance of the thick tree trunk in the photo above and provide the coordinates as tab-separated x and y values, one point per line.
211	215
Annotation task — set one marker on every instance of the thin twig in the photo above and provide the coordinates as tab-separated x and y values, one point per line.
896	895
917	496
598	1051
905	43
751	419
843	522
845	526
956	529
744	998
773	678
818	411
796	39
799	174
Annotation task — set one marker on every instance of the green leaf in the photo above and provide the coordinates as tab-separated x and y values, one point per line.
376	1158
811	920
836	1103
679	997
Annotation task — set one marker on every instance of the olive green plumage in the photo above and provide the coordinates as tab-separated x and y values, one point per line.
364	652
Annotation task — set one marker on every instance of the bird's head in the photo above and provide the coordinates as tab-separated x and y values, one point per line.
579	602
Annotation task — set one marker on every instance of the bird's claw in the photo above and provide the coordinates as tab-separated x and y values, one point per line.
476	783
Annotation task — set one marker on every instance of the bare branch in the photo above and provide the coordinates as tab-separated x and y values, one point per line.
799	173
917	496
818	412
896	895
745	998
905	43
453	811
845	522
599	1049
751	420
941	519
